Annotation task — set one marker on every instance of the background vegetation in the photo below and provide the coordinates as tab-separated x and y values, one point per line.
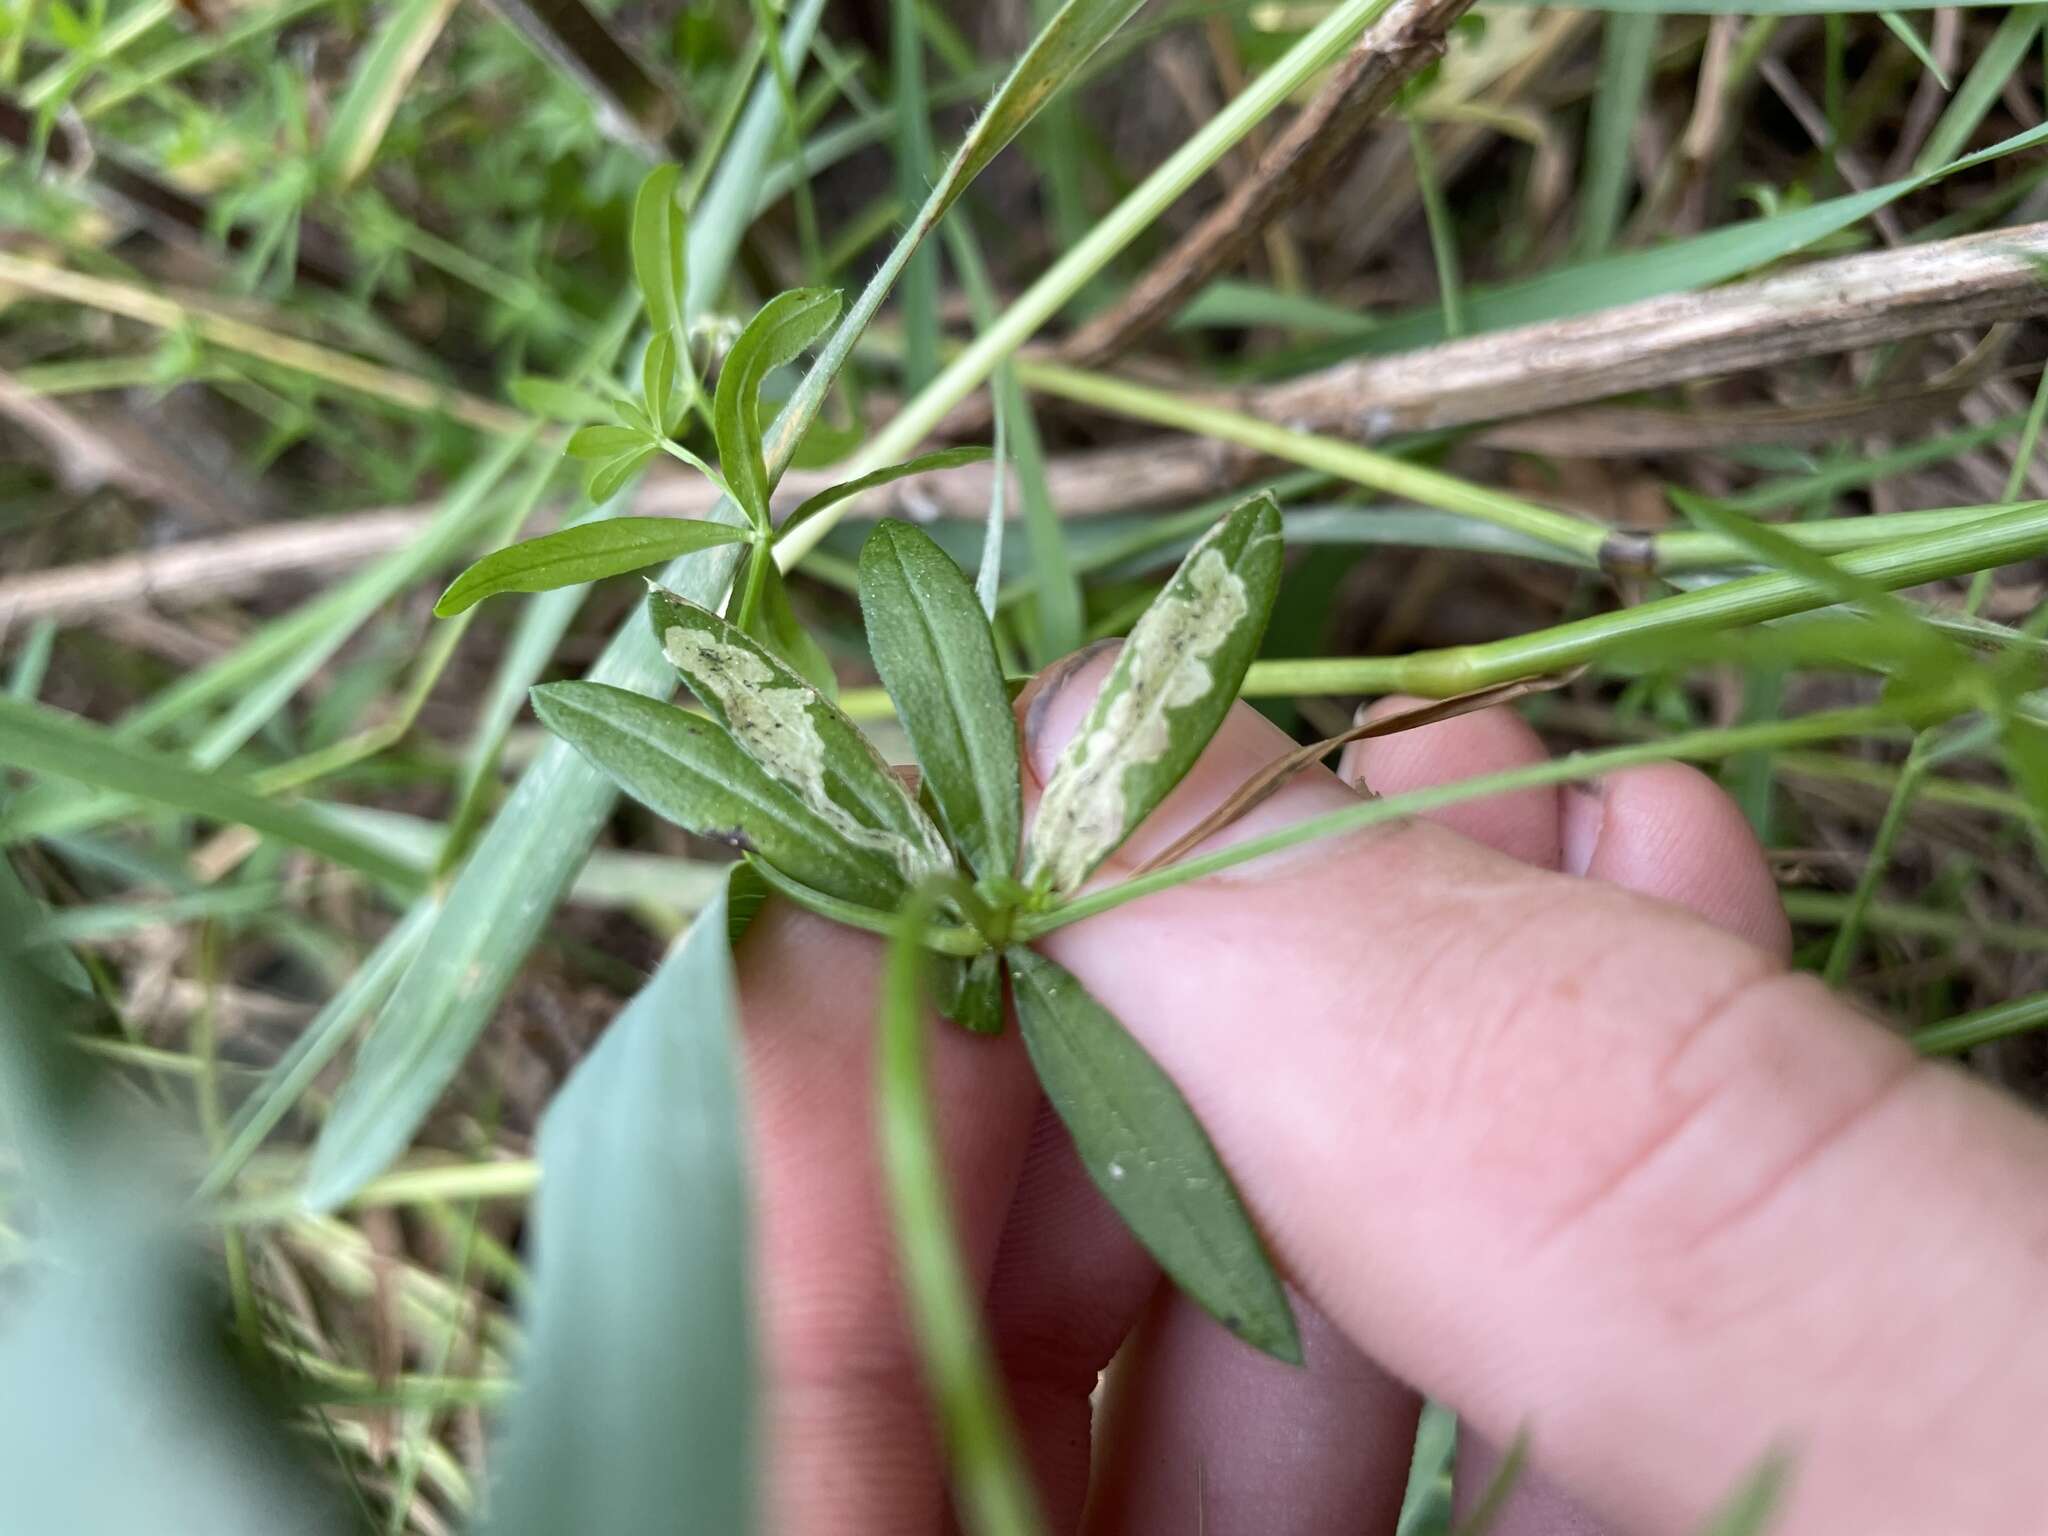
299	301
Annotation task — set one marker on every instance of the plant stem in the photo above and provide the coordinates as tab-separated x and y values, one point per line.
1362	466
1111	234
1371	813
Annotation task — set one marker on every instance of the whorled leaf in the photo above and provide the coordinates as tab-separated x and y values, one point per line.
1149	1156
799	739
932	645
973	994
586	552
1172	684
659	235
692	771
779	331
924	464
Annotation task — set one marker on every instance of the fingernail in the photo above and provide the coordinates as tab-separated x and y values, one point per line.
1584	814
1046	729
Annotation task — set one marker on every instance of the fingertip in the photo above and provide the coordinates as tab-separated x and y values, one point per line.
1522	824
1667	830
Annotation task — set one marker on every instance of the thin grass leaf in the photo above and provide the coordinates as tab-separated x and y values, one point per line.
1629	42
1149	1156
1493	1500
382	74
1748	1512
944	458
585	552
659	243
800	740
778	333
497	905
48	741
920	301
1916	45
692	771
641	1314
1174	681
994	1492
631	104
932	646
1981	87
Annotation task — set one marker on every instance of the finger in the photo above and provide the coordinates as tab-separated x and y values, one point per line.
1069	1284
1521	1135
1666	830
854	1450
1324	1448
1522	824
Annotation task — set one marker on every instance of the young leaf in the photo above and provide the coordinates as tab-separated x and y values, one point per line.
586	552
800	740
945	458
603	441
1172	684
658	239
973	996
658	380
640	1312
1149	1156
932	645
779	331
610	477
691	770
777	627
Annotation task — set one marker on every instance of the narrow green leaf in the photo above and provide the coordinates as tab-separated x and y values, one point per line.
776	626
1916	45
586	552
692	771
611	477
932	645
640	1313
604	441
658	239
378	83
992	1483
44	740
658	380
801	740
1629	41
1493	1500
2026	759
1748	1511
1149	1156
1172	684
924	464
777	334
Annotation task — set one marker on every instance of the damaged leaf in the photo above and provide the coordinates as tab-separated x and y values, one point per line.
695	773
1174	681
800	740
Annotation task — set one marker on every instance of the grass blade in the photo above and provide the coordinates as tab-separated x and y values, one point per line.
382	73
1630	42
1149	1156
636	1410
586	552
994	1489
932	645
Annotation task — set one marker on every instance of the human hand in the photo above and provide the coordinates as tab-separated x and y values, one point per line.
1572	1154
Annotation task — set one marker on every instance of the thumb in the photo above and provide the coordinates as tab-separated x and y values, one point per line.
1570	1158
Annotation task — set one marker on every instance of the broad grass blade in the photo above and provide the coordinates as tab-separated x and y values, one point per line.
799	739
637	1408
1173	682
932	645
1149	1156
586	552
692	771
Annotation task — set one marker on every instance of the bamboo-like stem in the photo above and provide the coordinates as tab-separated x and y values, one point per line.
1362	466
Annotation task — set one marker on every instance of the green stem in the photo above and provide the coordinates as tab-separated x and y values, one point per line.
1968	1030
1371	813
1111	234
1362	466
